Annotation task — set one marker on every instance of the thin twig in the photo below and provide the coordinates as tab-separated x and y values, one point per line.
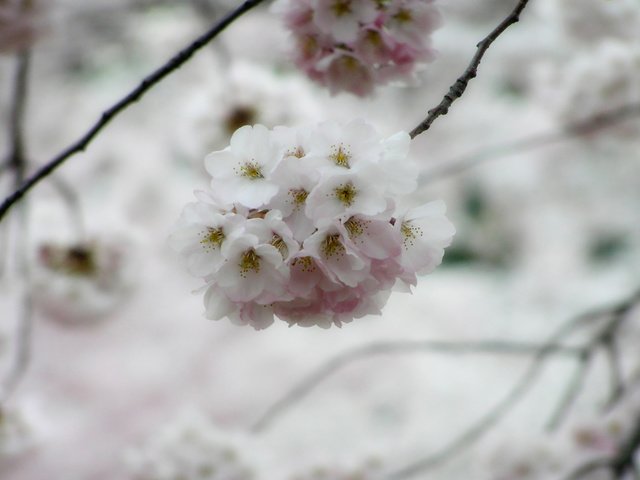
572	390
147	83
585	127
458	88
301	390
17	162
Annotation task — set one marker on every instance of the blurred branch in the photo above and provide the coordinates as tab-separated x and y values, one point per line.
588	126
147	83
541	352
458	88
604	339
17	162
497	347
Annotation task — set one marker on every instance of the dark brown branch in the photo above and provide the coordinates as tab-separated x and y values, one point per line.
16	157
458	88
147	83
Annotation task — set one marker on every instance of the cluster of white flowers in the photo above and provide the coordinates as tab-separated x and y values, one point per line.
191	448
353	45
301	223
82	282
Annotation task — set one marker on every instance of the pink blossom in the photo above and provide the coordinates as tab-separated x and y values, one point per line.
354	45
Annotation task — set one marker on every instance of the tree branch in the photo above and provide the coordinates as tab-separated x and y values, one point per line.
147	83
588	126
497	347
458	88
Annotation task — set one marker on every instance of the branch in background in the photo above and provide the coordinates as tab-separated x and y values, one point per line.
17	162
496	347
584	127
615	314
147	83
458	88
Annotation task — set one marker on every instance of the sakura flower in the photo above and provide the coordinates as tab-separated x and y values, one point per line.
354	45
241	172
202	230
192	447
426	232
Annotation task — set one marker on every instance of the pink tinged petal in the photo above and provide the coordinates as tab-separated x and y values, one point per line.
374	238
348	73
426	232
256	315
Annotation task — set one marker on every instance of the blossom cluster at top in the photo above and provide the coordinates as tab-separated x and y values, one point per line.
353	45
301	223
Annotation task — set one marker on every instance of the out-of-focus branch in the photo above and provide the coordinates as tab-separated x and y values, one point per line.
458	88
147	83
588	126
603	339
495	347
553	347
17	162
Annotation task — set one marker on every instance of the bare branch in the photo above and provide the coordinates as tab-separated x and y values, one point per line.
301	390
585	127
458	88
147	83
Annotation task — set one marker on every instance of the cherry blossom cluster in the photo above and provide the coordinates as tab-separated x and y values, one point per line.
301	223
354	45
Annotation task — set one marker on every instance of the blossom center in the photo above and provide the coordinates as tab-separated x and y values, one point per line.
354	226
410	233
346	193
341	157
297	152
403	16
341	7
332	246
280	245
250	261
251	170
306	264
212	238
299	196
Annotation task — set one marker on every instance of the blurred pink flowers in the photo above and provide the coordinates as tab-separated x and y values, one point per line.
354	45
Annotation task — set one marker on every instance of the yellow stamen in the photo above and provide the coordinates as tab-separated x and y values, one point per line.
251	170
332	246
346	193
341	7
341	157
250	261
212	238
409	234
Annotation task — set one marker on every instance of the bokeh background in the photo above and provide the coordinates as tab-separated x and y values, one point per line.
545	230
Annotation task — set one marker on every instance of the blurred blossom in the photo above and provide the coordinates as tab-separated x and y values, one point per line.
83	282
354	45
193	448
596	80
369	471
250	94
301	223
19	25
